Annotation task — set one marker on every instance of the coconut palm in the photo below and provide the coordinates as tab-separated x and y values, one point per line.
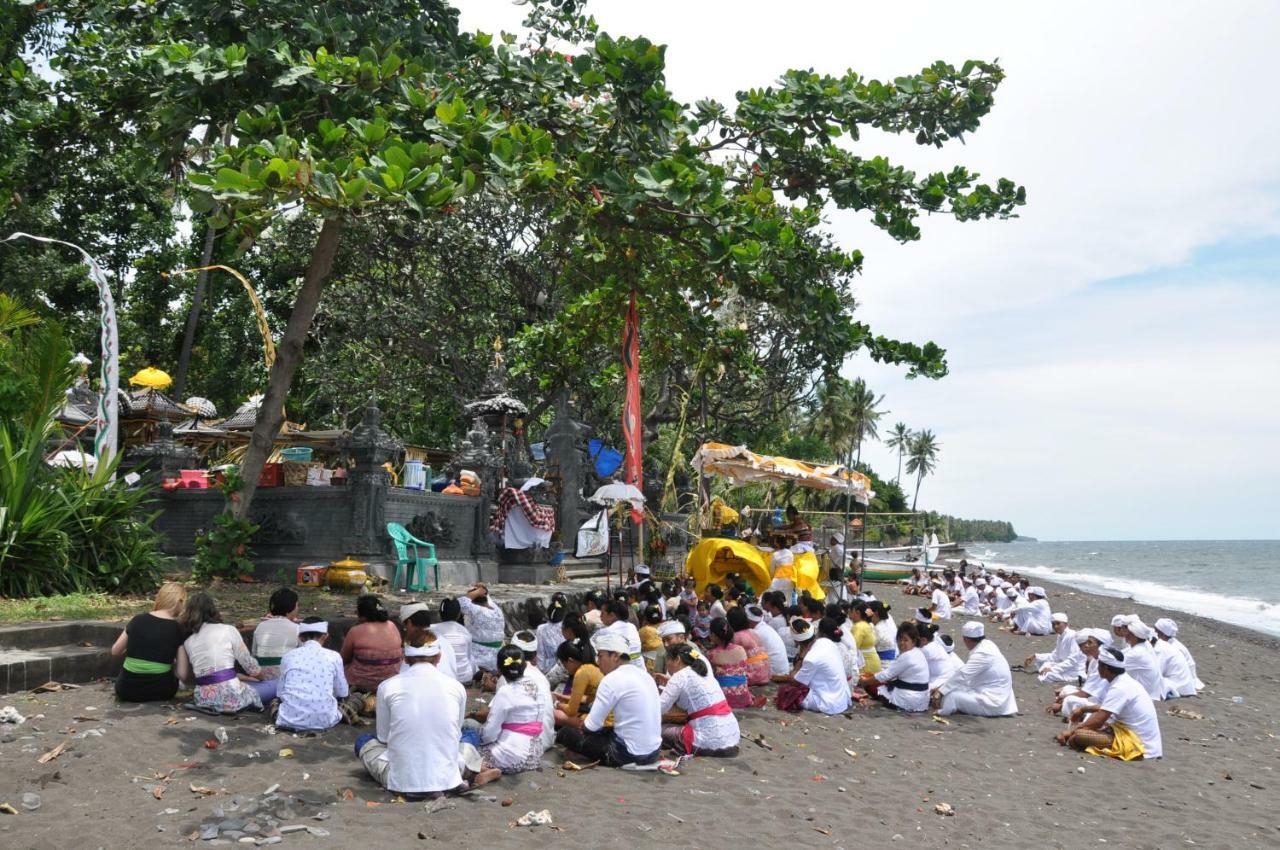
865	413
922	459
899	438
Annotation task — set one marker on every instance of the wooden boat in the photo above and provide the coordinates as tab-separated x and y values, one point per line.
887	571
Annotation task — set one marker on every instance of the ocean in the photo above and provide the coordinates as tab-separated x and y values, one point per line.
1235	581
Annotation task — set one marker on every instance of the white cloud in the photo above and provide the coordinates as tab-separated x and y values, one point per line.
1142	131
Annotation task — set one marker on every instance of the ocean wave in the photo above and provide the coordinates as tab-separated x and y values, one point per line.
1256	614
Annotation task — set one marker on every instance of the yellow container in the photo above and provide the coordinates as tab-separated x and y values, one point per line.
347	574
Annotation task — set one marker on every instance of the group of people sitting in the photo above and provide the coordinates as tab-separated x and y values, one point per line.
1106	682
647	668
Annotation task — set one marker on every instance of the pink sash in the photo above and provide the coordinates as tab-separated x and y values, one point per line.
532	728
718	709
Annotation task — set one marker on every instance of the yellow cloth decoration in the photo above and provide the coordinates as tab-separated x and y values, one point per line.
715	557
806	571
1126	746
722	514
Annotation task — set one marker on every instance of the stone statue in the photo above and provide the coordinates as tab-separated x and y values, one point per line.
369	447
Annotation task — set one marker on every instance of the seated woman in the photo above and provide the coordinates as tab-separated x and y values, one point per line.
886	630
579	661
758	672
819	682
371	651
729	662
213	650
150	645
704	724
650	642
549	633
864	637
512	739
904	684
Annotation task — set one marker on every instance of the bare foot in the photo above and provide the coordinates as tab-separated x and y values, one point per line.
484	777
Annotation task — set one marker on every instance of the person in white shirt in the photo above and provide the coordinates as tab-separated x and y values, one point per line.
311	681
1091	686
970	603
1167	632
1140	660
211	653
772	642
904	682
614	619
940	602
451	630
714	597
1123	724
820	669
1034	617
513	737
487	625
415	752
940	666
1066	662
527	642
984	685
1178	681
630	695
775	607
277	633
550	634
708	727
416	620
1006	599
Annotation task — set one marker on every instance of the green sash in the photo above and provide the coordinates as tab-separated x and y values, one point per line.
145	668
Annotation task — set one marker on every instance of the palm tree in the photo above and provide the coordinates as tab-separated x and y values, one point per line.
863	409
922	459
900	439
833	419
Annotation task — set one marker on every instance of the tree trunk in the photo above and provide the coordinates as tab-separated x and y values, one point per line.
916	497
897	479
193	315
288	356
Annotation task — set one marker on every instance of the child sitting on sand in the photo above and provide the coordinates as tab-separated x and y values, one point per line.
702	623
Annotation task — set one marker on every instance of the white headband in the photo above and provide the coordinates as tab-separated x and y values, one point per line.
530	645
1167	627
670	627
431	650
973	630
320	628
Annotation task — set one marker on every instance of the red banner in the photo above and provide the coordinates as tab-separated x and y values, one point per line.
632	428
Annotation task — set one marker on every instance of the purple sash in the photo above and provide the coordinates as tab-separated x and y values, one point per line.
217	676
378	662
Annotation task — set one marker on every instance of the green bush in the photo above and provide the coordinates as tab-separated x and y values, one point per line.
61	530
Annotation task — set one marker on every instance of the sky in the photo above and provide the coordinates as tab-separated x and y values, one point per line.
1114	351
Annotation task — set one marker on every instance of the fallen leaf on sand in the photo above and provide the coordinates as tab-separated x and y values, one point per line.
158	792
850	753
52	754
759	741
371	804
818	777
1182	712
675	818
7	809
347	794
84	719
508	802
937	718
172	721
204	789
286	753
53	688
569	765
211	744
944	809
820	829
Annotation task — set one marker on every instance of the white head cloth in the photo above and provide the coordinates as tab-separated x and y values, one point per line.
667	628
431	650
973	630
1060	617
754	613
801	629
1140	630
609	642
1167	627
407	611
1112	658
320	628
526	644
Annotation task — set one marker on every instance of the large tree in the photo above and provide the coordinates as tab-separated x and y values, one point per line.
711	215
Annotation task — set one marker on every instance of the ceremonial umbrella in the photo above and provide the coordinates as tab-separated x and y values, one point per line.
151	378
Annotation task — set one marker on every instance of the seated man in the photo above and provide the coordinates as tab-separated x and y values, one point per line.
1066	662
420	714
630	695
311	681
415	619
1034	617
984	685
1124	724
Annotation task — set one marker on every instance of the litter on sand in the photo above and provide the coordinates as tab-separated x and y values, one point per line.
542	818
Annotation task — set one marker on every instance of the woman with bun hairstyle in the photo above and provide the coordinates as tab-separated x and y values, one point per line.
697	719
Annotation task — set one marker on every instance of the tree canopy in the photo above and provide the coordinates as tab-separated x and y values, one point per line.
331	148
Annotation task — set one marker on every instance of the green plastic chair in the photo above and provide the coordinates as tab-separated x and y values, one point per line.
415	564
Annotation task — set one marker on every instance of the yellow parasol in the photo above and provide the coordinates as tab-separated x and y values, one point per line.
151	378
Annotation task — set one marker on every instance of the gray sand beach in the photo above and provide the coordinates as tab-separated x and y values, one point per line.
126	774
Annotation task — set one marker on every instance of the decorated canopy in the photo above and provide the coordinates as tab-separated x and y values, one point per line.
151	378
715	557
745	466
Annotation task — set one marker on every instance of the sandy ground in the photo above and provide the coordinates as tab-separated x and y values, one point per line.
1008	782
